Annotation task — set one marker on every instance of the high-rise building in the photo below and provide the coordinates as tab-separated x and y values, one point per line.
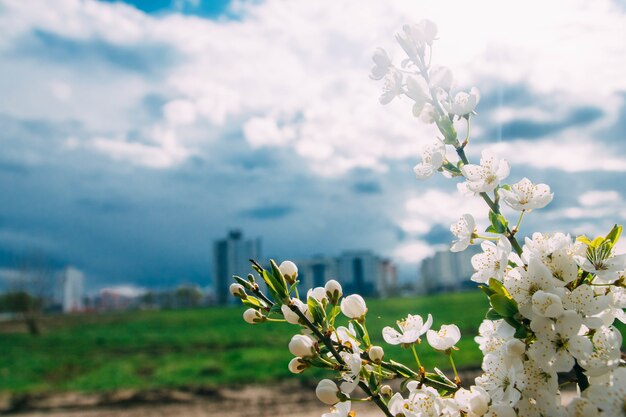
231	256
448	271
73	281
360	272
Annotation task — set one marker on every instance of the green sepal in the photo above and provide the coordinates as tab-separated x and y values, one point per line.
504	306
360	333
614	235
316	309
498	222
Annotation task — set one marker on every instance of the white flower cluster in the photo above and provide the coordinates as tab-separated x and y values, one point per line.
553	300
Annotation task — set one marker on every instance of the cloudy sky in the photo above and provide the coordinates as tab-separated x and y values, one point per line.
135	133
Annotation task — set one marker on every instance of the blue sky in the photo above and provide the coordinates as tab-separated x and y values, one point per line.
134	134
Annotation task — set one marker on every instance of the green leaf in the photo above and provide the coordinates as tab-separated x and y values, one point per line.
498	222
401	369
492	315
498	287
521	332
253	302
361	333
373	383
503	305
446	127
486	290
614	235
584	239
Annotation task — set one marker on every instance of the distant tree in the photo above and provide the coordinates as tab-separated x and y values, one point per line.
29	288
187	297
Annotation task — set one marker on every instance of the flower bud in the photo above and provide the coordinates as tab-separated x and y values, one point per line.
292	317
289	271
353	306
386	390
327	392
514	348
238	290
376	354
297	365
333	291
318	293
253	316
302	346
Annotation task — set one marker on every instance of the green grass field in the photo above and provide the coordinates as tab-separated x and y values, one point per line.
208	347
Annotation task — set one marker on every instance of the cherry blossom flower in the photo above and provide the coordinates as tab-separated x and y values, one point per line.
440	78
606	270
462	103
289	271
382	63
492	262
292	317
558	342
392	86
474	402
445	338
492	335
351	376
465	231
411	329
502	378
522	284
606	353
486	176
302	346
422	402
341	409
610	397
253	316
525	195
432	158
586	303
582	407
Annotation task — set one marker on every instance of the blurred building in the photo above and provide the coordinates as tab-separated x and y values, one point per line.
361	272
448	271
119	298
73	290
231	256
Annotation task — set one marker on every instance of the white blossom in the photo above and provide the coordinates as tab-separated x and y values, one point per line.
411	329
445	338
462	103
586	303
493	334
492	262
341	409
376	353
502	378
392	86
523	284
351	375
486	176
558	342
440	78
333	290
319	293
382	63
606	270
610	397
606	352
433	156
464	230
428	114
582	407
525	195
474	402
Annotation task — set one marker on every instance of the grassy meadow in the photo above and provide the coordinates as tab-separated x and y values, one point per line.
206	347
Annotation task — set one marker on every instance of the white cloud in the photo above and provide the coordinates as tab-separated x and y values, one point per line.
264	131
414	251
599	198
570	154
305	62
180	112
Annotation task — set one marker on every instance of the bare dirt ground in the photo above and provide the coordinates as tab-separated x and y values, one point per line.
277	400
249	402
